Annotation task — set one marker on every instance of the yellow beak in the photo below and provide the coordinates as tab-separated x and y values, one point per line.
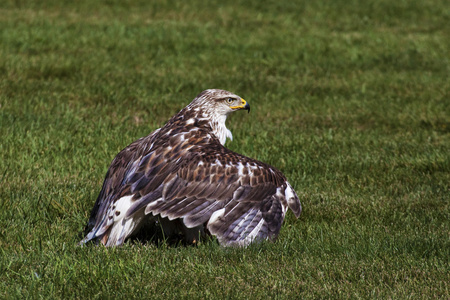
243	105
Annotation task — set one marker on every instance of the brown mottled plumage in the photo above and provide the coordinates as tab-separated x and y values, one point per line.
183	175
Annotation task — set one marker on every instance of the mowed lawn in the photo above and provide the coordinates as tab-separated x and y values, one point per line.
350	100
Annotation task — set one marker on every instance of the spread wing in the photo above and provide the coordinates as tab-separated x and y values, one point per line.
239	200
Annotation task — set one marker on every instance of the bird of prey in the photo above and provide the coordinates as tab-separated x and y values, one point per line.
182	176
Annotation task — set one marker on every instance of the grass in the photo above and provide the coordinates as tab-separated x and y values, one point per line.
350	99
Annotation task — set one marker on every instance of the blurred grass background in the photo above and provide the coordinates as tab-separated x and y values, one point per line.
350	99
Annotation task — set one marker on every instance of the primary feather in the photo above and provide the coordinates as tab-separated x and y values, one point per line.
184	175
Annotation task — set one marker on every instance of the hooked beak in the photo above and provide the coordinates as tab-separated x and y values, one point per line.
246	106
243	105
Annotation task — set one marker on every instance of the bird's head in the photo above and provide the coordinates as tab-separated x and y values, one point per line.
214	106
220	102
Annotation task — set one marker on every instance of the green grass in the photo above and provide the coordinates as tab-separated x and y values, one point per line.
350	99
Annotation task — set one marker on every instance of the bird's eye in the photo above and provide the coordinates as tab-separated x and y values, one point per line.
230	100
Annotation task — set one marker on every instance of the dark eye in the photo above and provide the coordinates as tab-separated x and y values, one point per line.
230	100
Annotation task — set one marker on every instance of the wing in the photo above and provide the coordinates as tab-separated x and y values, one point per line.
116	183
240	200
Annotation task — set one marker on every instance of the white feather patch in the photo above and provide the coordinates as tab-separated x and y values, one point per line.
292	199
217	214
123	229
122	205
289	192
240	168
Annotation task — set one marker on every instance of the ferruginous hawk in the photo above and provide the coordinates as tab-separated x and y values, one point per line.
182	176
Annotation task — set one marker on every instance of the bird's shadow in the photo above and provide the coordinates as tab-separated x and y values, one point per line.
153	234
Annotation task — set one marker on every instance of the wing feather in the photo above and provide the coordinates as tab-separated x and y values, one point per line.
196	218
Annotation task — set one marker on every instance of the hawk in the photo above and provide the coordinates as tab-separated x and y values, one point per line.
182	176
